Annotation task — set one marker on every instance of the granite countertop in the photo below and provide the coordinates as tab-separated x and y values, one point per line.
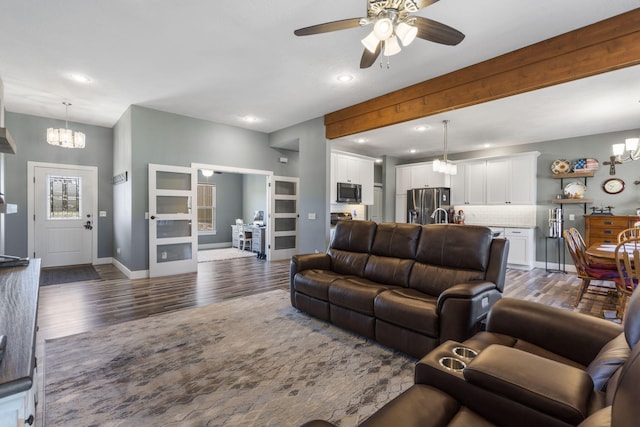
505	225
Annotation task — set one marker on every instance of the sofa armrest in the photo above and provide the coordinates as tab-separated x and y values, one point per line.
576	336
303	262
465	290
548	386
463	307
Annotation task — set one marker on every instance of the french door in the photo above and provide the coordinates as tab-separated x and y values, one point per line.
173	234
283	217
63	205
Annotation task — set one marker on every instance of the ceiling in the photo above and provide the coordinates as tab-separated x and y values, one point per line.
225	61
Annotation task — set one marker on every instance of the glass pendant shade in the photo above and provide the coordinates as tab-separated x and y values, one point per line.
618	149
391	46
371	42
406	33
383	28
631	144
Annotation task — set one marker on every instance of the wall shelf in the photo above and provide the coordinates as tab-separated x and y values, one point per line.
573	175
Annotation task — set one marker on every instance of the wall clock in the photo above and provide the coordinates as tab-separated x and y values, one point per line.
613	186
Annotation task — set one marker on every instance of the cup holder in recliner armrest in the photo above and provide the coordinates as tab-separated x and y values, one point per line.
465	352
452	363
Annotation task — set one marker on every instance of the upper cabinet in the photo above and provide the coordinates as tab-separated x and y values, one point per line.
419	175
353	169
496	181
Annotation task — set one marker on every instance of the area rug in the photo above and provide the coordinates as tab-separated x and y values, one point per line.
57	275
222	254
252	361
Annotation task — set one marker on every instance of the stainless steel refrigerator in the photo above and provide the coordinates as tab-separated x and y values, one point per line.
423	202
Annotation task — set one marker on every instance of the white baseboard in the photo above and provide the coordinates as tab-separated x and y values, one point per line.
214	246
138	274
103	261
569	268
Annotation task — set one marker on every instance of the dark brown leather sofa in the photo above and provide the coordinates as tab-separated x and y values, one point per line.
408	286
506	385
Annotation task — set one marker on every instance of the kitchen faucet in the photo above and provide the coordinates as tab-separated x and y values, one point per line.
446	215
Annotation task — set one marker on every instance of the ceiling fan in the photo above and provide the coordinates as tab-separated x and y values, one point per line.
392	24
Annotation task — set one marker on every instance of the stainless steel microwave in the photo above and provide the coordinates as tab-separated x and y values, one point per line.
349	193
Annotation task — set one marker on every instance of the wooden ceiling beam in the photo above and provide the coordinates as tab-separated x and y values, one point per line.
598	48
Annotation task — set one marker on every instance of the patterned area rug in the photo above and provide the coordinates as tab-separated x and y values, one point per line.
253	361
222	254
57	275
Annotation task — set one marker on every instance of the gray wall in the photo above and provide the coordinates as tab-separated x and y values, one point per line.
315	155
254	196
29	133
172	139
228	205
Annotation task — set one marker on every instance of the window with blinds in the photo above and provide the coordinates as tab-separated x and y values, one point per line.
206	208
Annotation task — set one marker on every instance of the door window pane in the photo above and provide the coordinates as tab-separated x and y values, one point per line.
64	197
173	181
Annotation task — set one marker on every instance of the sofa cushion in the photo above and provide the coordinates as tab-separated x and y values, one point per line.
354	236
396	240
356	294
315	283
464	247
348	263
408	308
433	279
383	269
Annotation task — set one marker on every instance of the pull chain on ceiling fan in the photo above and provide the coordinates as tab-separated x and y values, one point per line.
393	28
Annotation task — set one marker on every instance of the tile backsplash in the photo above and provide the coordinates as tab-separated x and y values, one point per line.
513	215
358	211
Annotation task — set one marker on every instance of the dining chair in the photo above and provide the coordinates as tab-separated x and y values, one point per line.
628	262
244	236
628	233
585	271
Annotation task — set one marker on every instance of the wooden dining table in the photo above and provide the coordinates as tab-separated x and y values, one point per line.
607	251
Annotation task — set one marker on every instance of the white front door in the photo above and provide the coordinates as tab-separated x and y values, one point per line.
283	217
64	208
173	220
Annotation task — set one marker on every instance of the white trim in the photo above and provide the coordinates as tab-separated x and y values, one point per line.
103	261
133	275
222	245
31	201
231	169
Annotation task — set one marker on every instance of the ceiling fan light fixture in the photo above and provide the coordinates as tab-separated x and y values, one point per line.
383	28
371	42
406	33
391	46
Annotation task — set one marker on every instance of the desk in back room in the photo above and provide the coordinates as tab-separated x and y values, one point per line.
258	237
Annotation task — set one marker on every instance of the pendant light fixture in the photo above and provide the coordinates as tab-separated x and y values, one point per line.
445	166
65	138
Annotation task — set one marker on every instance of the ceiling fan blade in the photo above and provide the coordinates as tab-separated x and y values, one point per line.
424	3
328	27
369	58
437	32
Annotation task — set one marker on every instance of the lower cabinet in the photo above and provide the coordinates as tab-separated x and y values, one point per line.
521	247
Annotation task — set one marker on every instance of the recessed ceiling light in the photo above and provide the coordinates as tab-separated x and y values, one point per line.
360	140
250	119
80	78
421	128
378	160
413	150
344	77
487	145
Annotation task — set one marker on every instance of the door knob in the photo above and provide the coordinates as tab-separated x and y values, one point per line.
153	217
88	225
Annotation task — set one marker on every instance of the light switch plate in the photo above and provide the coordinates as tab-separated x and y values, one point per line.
312	215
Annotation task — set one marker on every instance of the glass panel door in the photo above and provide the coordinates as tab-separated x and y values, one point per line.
172	220
283	217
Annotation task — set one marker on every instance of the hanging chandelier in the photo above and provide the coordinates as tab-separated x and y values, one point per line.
65	137
445	166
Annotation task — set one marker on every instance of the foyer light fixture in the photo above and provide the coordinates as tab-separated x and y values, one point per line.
392	31
445	166
65	138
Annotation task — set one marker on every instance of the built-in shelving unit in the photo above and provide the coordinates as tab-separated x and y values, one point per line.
573	175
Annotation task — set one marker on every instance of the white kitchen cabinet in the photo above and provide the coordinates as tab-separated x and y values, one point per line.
419	175
475	183
401	207
512	180
403	179
355	170
521	247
